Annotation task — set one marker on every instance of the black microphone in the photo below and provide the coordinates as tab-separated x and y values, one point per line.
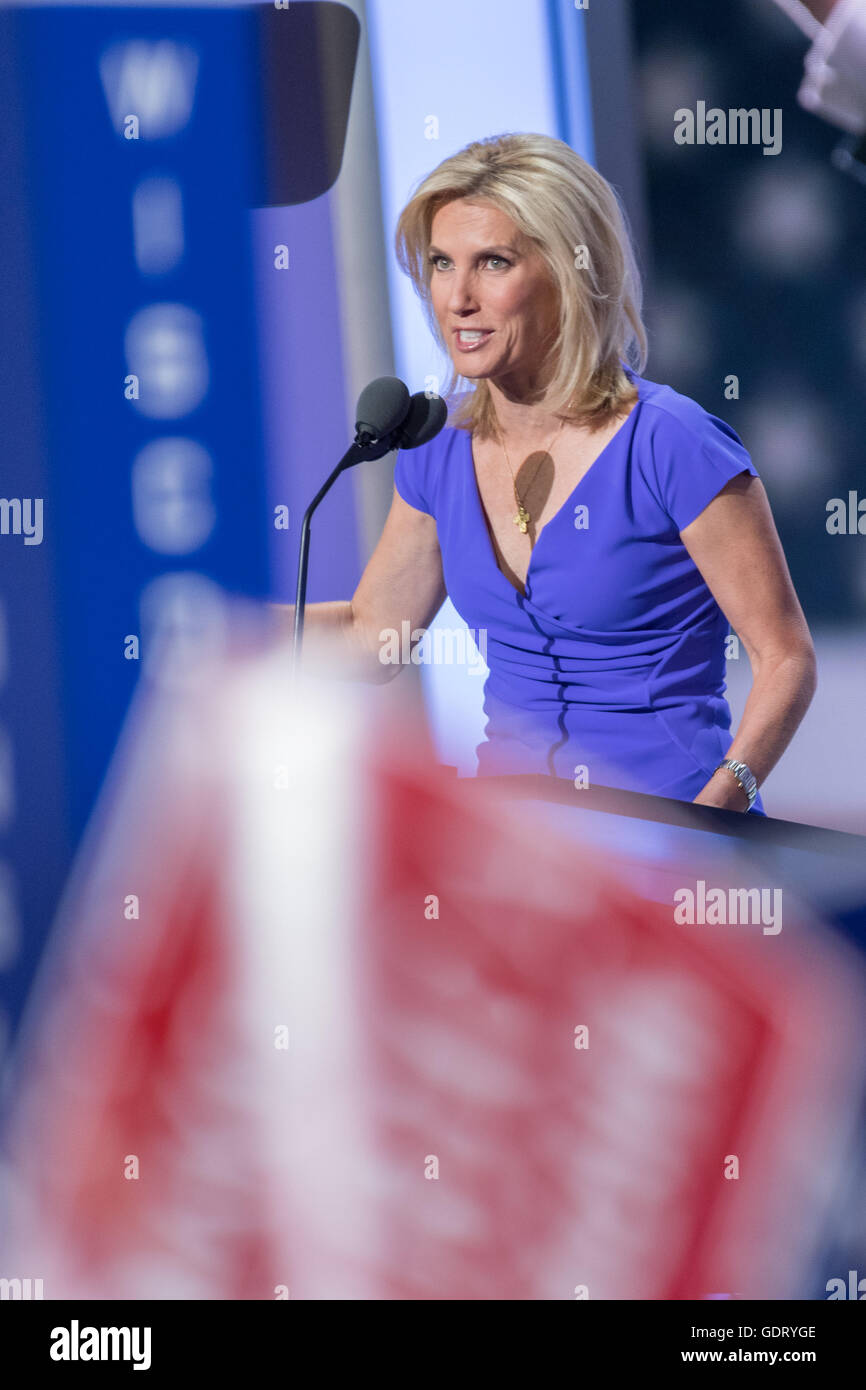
382	407
425	418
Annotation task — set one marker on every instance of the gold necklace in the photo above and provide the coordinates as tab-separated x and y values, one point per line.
522	519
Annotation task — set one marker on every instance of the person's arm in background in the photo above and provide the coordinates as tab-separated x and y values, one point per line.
819	8
401	582
736	547
834	84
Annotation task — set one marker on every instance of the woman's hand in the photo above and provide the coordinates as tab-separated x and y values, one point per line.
723	790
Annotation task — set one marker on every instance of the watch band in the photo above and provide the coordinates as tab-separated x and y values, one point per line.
744	776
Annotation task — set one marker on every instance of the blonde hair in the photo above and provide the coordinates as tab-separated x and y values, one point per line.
571	214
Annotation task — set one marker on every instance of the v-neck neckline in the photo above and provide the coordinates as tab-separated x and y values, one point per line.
482	515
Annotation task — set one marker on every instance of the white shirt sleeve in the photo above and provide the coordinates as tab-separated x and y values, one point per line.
834	85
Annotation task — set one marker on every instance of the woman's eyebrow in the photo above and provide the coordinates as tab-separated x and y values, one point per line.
485	251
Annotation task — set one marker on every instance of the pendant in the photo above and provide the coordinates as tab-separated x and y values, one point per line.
522	519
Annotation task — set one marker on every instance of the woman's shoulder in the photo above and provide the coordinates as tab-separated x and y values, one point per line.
676	414
689	453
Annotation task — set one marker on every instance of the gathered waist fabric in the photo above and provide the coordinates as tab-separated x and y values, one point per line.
635	670
586	708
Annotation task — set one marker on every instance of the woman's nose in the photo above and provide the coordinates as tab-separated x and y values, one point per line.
462	294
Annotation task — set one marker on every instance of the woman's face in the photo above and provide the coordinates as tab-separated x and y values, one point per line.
487	276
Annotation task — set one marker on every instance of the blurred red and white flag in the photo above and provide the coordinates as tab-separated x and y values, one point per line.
323	1022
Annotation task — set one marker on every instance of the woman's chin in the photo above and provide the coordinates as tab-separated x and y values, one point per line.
473	371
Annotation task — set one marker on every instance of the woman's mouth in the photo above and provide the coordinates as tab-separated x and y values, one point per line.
471	339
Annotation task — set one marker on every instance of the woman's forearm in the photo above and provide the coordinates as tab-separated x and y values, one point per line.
782	690
333	617
336	620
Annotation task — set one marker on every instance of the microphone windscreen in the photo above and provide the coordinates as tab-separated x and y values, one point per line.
382	407
426	417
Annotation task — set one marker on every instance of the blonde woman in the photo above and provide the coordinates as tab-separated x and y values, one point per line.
601	528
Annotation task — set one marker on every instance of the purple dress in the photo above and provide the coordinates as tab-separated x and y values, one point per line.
610	670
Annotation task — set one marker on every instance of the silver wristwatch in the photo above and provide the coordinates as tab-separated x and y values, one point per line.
744	776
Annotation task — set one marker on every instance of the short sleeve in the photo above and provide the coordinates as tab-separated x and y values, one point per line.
693	463
411	478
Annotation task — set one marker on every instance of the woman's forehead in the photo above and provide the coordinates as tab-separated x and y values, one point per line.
466	212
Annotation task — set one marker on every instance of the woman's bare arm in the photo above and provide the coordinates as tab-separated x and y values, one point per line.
402	582
735	545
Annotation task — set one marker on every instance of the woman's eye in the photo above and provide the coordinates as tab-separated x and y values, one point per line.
435	261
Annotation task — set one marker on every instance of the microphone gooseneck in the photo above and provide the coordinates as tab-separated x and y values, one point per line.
386	418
